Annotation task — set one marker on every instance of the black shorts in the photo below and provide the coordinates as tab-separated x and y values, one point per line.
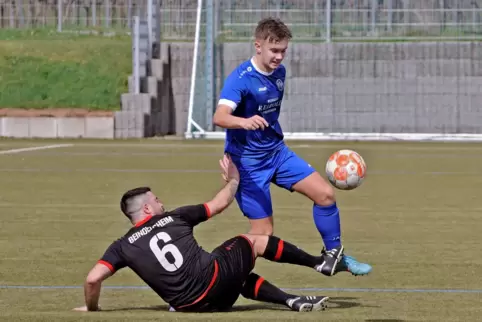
235	260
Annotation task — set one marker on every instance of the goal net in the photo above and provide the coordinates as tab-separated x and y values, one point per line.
357	90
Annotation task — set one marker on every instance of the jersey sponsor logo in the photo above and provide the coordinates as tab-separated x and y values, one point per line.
279	84
262	89
273	105
146	230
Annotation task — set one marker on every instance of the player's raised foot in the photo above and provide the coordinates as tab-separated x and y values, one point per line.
308	303
351	265
331	258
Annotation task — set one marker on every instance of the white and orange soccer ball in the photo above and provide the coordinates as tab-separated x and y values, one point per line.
346	169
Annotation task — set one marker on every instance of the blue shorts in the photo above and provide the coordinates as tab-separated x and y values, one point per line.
283	168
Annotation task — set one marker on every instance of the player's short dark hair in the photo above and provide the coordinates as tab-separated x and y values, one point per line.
272	29
124	203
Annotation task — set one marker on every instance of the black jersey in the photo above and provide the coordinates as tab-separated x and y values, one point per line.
162	251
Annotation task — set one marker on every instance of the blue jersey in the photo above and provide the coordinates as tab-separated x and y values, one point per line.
250	91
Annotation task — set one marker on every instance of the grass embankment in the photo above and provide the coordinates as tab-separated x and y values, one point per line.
45	69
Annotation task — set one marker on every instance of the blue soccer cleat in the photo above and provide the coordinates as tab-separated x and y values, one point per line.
351	265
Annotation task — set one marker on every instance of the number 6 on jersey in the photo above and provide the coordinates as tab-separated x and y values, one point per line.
160	253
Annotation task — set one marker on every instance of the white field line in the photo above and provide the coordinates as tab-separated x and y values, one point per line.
35	148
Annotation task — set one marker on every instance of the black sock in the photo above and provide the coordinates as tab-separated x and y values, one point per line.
257	288
280	251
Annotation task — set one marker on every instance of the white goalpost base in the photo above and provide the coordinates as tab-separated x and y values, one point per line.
305	136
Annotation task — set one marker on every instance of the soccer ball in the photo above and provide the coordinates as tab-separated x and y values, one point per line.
346	169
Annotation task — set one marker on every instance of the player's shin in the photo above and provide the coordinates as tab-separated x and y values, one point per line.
257	288
327	221
278	250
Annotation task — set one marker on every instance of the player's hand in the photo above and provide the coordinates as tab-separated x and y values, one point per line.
254	123
84	309
228	168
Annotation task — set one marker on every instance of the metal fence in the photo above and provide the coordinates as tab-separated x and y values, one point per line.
312	20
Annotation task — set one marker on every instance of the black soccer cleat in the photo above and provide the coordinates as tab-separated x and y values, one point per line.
308	303
331	258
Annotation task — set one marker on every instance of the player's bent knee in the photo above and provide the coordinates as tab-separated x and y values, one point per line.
316	188
258	242
326	195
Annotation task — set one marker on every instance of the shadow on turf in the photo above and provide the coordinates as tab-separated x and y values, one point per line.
334	303
343	303
236	308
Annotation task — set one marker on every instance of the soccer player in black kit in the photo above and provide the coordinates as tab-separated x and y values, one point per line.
162	251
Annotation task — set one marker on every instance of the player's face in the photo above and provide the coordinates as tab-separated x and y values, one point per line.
155	204
272	53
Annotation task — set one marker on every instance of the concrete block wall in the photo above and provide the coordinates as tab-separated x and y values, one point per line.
57	127
433	87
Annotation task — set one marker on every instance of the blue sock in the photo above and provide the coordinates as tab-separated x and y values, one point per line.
327	221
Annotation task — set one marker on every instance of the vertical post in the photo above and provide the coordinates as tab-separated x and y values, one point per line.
374	15
209	62
94	13
406	16
11	16
20	13
107	13
474	17
149	29
229	17
216	56
129	14
328	20
190	121
157	21
136	54
217	22
390	15
59	16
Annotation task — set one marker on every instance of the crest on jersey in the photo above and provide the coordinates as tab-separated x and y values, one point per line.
280	84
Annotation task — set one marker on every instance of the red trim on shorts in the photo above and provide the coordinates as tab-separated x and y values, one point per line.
215	276
252	248
257	286
208	211
143	221
279	251
107	264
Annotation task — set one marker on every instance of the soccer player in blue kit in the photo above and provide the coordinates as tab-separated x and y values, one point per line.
249	108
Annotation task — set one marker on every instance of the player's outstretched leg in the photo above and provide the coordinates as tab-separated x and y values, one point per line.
258	289
277	250
327	220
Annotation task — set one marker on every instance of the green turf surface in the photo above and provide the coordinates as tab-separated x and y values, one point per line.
44	69
416	219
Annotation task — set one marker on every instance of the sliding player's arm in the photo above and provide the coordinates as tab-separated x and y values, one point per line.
103	269
233	92
225	197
